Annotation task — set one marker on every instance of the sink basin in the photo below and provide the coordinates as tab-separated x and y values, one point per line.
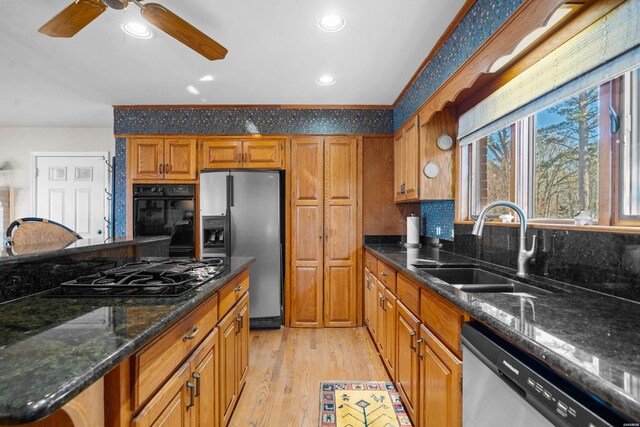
476	280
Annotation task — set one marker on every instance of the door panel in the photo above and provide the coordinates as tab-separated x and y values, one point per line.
411	161
381	331
440	382
307	176
221	154
340	203
228	366
180	158
407	375
71	190
147	158
205	361
390	333
243	341
168	407
263	154
339	302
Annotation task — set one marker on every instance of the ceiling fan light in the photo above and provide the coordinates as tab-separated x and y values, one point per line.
326	80
331	23
137	30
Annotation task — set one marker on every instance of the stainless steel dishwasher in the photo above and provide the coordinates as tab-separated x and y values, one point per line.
502	386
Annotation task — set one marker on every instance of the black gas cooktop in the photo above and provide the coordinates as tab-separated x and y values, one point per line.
144	279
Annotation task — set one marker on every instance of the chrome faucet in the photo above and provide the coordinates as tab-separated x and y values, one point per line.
524	255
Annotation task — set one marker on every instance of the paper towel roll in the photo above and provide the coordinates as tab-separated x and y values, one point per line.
413	229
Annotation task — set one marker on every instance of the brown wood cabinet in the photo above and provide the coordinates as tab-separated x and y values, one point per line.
440	383
243	341
389	306
226	153
324	231
205	377
407	366
370	301
160	159
406	163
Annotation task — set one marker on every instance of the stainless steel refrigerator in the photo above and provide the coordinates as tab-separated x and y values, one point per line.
249	203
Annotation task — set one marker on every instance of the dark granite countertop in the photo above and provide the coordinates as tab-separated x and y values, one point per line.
56	249
51	349
589	337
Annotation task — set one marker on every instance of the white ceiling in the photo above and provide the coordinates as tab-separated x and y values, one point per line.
276	51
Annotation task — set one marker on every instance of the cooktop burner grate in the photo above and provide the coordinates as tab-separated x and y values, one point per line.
145	278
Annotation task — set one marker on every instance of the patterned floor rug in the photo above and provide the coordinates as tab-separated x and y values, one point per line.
361	404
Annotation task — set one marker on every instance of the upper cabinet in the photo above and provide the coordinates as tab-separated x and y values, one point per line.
423	170
225	153
158	158
406	162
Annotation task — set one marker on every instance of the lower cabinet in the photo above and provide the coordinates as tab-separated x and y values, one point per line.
234	357
188	398
389	307
407	366
440	383
369	301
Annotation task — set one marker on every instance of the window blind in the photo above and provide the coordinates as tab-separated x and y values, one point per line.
604	50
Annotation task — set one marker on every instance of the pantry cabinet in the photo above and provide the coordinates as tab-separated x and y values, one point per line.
163	159
324	192
259	153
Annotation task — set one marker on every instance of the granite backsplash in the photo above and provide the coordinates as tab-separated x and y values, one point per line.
604	262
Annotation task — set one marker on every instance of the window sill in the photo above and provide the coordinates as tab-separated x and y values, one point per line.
560	226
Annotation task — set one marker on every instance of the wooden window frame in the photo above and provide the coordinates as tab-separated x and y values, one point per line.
522	158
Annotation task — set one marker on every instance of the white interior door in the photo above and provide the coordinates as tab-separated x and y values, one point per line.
70	189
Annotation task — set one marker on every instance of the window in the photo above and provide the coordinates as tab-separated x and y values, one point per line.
565	141
561	161
493	168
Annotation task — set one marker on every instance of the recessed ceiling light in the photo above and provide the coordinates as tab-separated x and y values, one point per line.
331	23
207	78
137	30
193	90
326	80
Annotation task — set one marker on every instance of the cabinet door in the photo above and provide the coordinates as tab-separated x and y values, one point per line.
411	158
307	177
205	376
263	154
228	364
390	315
398	167
147	159
381	331
340	201
243	341
367	299
407	375
440	383
168	407
221	154
180	158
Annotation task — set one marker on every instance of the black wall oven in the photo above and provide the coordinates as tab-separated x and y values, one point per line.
166	210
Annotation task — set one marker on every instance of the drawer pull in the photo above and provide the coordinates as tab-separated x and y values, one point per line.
191	335
197	378
238	288
384	274
420	341
239	324
192	397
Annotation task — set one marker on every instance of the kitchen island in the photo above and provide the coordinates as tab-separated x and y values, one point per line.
585	336
52	349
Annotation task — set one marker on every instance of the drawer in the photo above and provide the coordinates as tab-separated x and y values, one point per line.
387	276
159	359
371	263
232	292
409	293
444	320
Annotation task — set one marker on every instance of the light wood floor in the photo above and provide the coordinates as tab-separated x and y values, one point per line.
287	366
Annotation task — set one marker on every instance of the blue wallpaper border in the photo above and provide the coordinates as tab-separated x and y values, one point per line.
242	121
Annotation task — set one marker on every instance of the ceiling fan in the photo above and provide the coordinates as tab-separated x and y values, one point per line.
80	13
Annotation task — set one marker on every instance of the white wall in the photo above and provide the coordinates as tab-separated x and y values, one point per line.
16	145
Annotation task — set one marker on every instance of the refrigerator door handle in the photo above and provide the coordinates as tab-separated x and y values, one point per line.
230	189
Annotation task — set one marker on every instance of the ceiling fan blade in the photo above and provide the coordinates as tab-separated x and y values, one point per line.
75	17
182	31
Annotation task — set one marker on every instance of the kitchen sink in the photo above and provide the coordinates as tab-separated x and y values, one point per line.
477	280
